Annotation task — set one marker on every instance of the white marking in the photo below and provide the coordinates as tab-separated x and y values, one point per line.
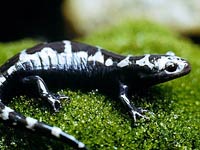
145	61
36	61
19	66
62	58
170	53
52	55
5	113
14	123
68	47
124	62
125	99
24	57
42	86
109	62
82	54
68	53
81	145
81	58
161	63
43	54
56	131
11	70
98	57
2	79
30	122
47	54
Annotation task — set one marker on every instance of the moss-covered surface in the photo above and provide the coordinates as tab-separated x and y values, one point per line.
100	122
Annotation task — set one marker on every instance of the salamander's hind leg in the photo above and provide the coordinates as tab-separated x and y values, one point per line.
128	105
53	99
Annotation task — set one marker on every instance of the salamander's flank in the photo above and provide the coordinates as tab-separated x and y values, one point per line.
75	65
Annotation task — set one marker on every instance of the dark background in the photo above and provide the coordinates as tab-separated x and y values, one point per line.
41	19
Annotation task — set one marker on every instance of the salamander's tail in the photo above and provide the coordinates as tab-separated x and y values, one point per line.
9	115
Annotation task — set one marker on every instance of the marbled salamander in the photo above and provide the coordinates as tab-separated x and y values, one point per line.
75	65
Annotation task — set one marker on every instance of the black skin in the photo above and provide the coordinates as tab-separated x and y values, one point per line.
36	85
119	83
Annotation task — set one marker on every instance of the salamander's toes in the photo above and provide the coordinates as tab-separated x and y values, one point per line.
57	106
61	96
55	103
139	113
141	110
54	100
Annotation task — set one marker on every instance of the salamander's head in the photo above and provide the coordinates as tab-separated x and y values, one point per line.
154	69
170	67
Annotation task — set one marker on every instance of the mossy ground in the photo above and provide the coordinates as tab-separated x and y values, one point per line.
100	122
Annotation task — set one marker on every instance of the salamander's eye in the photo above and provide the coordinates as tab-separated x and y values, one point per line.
170	66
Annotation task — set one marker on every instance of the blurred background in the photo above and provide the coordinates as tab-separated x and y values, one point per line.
69	19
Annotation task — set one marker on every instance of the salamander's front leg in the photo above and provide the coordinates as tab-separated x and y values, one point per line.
128	105
53	99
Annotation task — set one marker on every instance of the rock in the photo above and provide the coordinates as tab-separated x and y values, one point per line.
87	15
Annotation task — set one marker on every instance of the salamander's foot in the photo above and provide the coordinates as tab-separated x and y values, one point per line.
135	112
55	103
139	112
54	100
44	93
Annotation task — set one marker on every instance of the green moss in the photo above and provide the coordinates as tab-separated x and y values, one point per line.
100	122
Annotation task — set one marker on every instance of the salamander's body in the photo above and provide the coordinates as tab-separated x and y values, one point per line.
75	65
